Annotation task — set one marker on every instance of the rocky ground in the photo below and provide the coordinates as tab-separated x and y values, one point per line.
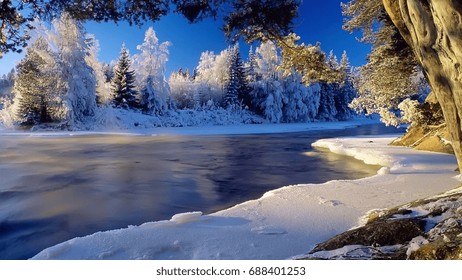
424	229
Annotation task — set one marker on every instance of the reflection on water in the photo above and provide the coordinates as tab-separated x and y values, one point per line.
53	189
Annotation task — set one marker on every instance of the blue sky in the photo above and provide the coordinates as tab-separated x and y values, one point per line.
319	21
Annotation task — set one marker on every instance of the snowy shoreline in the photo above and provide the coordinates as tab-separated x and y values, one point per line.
238	129
283	223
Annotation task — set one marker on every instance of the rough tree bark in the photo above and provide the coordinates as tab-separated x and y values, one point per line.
433	29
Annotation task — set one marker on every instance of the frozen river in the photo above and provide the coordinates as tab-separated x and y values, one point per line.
56	188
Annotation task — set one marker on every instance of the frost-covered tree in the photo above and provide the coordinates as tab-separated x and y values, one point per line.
336	96
212	76
278	97
108	71
183	89
123	82
266	61
77	81
327	109
155	96
250	66
346	91
68	85
103	86
237	88
267	94
302	102
35	85
208	86
391	74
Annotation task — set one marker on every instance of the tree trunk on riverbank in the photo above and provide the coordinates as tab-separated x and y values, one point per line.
433	29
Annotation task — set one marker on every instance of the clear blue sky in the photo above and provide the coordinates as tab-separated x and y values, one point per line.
319	21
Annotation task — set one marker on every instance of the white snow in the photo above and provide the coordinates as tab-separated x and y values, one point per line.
199	128
283	223
183	218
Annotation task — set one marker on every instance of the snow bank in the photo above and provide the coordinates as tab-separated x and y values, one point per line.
283	223
204	129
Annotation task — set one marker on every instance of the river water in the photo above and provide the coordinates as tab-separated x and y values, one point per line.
56	188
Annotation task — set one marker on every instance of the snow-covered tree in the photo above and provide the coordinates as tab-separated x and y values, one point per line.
77	81
212	76
123	82
250	66
346	91
336	96
302	102
207	86
237	89
391	74
387	80
327	109
35	85
155	96
183	89
267	94
273	103
108	71
103	86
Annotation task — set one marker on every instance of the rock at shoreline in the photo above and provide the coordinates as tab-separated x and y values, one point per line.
428	229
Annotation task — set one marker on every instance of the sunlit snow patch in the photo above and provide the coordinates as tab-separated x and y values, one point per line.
188	217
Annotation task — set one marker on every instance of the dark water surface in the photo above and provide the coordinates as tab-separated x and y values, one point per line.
56	188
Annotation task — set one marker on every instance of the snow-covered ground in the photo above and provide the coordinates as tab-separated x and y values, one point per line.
283	223
203	129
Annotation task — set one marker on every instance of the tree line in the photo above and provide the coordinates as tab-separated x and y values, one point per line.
60	80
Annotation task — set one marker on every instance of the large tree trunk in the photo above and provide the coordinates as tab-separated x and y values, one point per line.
433	29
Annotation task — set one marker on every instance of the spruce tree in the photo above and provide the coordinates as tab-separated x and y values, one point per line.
31	103
123	82
34	85
237	89
346	92
251	67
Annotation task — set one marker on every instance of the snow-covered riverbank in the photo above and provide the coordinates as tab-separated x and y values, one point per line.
283	223
236	129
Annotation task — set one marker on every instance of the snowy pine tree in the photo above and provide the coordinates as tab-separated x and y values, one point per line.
237	89
327	109
34	85
251	66
123	82
346	91
273	103
301	101
336	96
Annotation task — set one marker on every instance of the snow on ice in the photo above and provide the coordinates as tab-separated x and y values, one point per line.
283	223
